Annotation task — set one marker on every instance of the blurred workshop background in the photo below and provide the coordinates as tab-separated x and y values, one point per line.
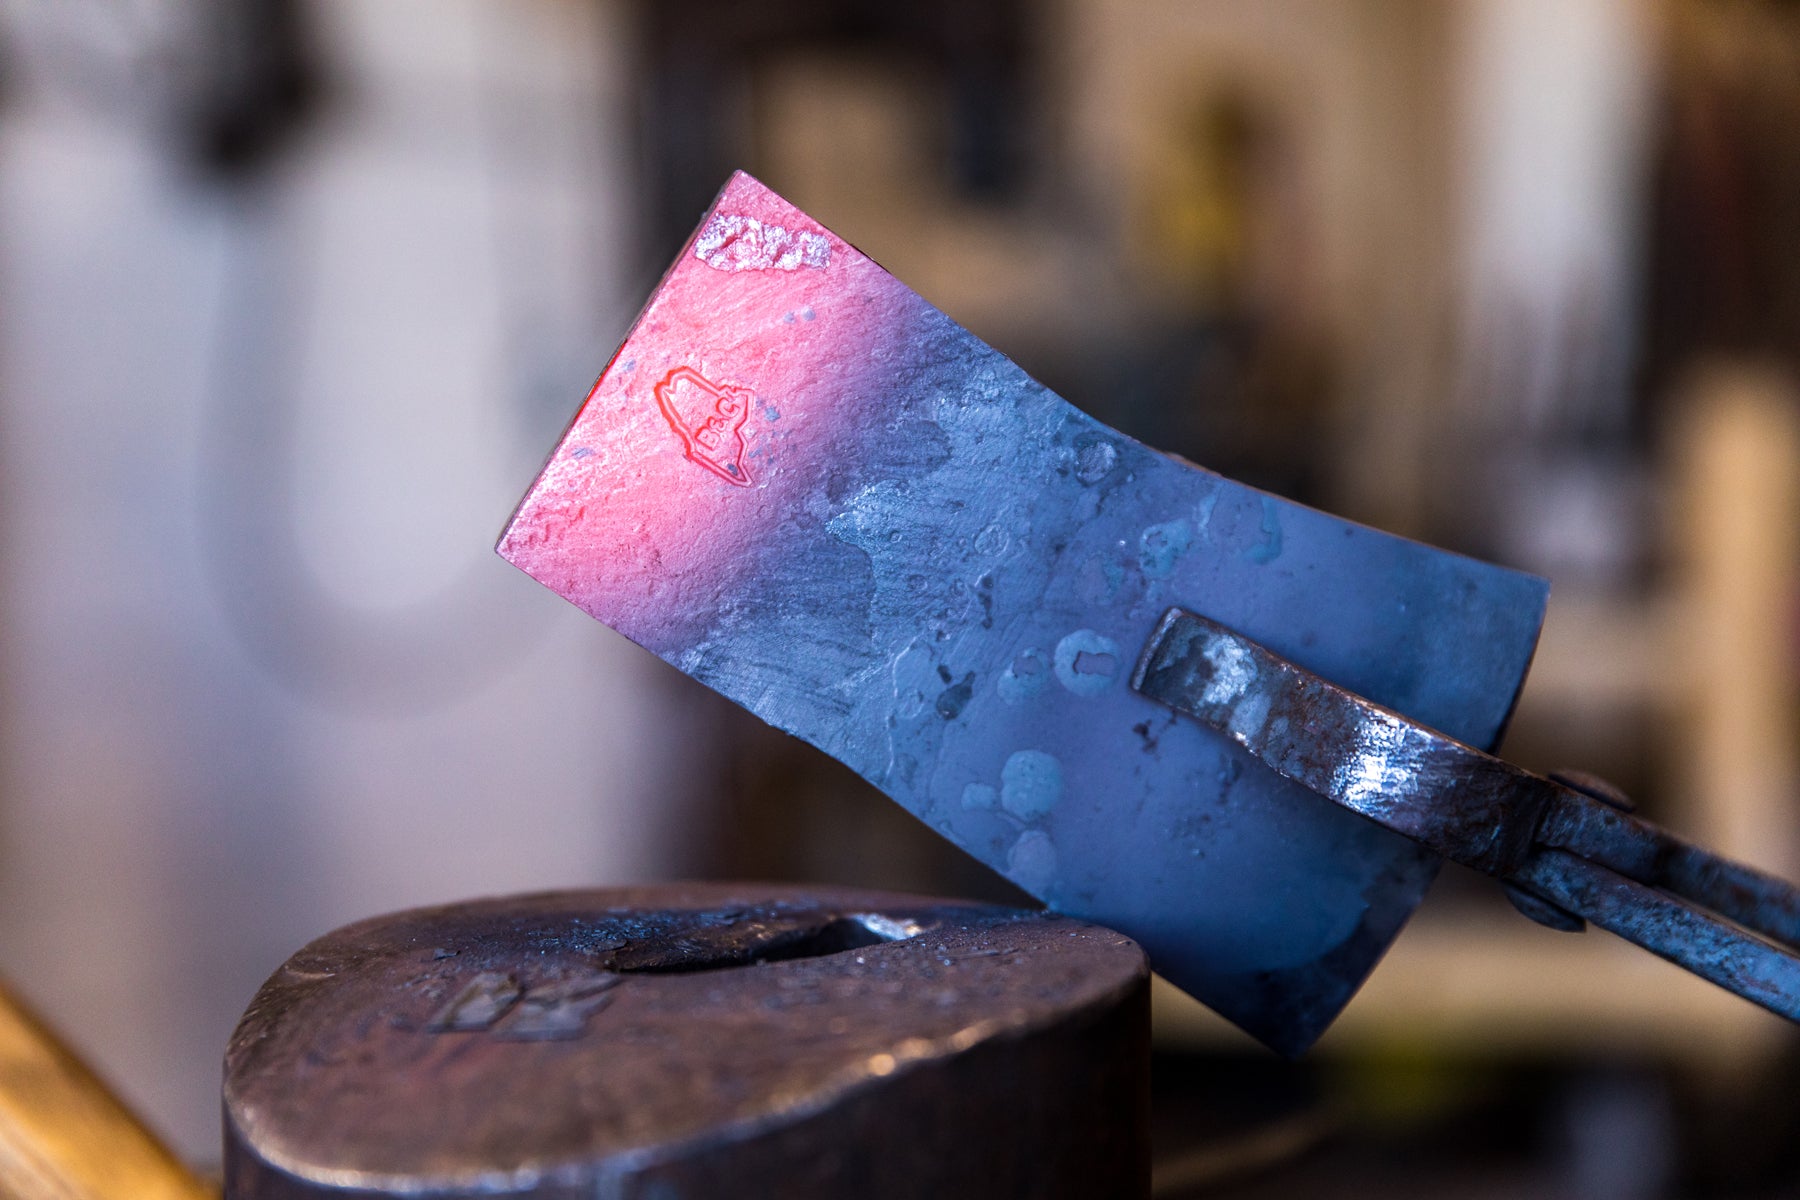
295	294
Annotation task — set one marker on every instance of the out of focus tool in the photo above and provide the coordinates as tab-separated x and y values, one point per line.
64	1135
697	1041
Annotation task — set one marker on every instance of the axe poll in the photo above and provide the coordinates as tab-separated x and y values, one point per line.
803	485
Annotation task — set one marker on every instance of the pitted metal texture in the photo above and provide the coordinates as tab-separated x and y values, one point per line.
696	1041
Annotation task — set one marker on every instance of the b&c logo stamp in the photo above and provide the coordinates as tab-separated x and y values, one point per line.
709	418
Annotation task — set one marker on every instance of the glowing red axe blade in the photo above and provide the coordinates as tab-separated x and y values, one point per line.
803	485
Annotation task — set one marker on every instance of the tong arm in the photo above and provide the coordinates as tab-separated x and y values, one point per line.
1566	845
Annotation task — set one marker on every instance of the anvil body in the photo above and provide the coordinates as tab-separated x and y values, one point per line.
806	487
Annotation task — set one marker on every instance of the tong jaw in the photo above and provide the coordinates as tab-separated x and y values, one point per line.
1566	847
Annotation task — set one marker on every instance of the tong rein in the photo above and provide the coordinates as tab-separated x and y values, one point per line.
1565	847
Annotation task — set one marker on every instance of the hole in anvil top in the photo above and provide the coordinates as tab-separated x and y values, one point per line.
746	946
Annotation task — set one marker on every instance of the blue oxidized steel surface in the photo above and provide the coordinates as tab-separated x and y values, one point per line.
806	487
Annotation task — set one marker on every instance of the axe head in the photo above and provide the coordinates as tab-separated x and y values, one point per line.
804	486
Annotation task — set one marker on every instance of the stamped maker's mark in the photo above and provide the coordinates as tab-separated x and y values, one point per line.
709	418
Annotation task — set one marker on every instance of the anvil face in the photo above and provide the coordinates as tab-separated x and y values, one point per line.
803	485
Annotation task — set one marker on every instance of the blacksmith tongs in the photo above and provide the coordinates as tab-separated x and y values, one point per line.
1565	847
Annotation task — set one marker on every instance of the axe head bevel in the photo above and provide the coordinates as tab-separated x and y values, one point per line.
804	486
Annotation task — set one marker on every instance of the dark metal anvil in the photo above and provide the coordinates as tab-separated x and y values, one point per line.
693	1041
803	485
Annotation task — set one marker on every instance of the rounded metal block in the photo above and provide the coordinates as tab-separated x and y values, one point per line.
672	1043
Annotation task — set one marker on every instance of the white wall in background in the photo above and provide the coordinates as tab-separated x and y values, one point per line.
262	674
